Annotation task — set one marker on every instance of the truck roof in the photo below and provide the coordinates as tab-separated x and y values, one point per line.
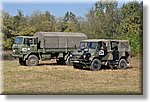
27	36
60	34
97	40
59	39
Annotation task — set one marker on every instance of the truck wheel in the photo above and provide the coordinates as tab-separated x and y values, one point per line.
32	60
95	65
122	64
22	62
68	62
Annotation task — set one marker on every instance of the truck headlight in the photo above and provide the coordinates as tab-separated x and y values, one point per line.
28	49
14	50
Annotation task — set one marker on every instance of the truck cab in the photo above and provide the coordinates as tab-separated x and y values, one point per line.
94	53
23	45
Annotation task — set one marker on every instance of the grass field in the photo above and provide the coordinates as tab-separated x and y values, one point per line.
59	79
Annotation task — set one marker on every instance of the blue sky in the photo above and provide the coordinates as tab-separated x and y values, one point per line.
56	8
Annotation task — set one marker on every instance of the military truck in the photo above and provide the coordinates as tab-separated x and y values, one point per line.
45	46
95	53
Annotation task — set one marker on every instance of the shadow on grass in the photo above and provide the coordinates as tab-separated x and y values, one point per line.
42	64
103	68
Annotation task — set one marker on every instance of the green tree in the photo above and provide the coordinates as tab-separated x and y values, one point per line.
18	21
42	21
131	26
69	23
7	28
102	19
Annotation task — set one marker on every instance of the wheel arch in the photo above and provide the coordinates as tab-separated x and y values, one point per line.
96	58
32	53
123	57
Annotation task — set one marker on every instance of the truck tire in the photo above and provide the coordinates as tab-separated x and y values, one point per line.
122	64
22	62
32	60
68	62
95	65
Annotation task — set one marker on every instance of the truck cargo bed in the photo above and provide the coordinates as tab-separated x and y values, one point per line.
59	40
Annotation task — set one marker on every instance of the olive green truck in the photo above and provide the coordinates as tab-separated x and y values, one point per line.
95	53
45	46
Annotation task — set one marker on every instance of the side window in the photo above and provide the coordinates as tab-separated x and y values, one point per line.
124	45
93	45
28	41
114	45
101	45
104	45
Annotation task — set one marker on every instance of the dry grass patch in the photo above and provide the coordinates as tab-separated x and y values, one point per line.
59	79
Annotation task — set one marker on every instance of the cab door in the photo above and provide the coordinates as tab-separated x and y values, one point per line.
102	50
114	48
35	44
30	44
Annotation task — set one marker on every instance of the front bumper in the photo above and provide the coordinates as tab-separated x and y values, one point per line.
82	63
17	56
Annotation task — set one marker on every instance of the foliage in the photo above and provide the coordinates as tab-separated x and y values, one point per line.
131	25
69	23
42	21
104	20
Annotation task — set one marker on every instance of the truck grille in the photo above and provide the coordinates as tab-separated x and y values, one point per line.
75	57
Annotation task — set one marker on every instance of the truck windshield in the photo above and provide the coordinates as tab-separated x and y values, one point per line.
86	45
18	40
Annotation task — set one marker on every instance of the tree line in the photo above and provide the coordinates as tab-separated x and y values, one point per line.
104	20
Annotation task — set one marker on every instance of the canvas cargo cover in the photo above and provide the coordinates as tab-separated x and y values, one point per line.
60	39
